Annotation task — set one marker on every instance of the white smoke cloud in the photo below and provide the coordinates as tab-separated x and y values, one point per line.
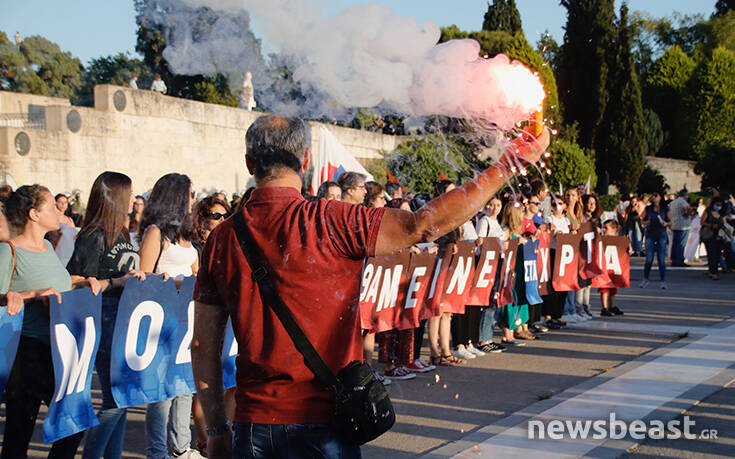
363	56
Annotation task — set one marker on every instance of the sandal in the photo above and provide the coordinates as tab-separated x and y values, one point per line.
453	360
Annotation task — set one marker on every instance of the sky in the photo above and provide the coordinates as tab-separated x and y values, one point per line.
95	28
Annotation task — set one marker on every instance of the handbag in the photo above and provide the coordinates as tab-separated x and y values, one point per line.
363	410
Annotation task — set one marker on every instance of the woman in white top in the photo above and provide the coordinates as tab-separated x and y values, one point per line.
166	248
553	306
489	226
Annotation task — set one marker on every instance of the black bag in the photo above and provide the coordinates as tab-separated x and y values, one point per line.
363	410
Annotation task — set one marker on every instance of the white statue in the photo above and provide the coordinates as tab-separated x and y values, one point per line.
247	97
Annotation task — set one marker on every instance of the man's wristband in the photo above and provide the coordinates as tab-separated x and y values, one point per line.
218	430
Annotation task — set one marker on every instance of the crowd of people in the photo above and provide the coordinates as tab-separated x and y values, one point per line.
53	245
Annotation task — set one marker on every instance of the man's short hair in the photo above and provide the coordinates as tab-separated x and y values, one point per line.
392	188
537	186
349	180
683	192
276	142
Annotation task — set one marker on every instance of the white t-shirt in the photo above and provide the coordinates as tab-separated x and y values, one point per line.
489	227
561	224
468	231
177	260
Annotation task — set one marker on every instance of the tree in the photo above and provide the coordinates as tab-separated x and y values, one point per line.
569	165
117	70
195	23
652	181
503	15
584	64
39	66
712	100
666	88
654	133
724	6
717	164
620	145
418	163
548	49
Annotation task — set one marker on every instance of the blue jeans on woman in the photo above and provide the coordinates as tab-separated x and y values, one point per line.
250	441
107	436
656	244
635	235
488	319
168	426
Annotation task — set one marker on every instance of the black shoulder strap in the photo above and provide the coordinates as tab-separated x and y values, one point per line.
269	296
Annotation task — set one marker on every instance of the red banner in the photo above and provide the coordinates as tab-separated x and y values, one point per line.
420	272
615	260
543	262
458	283
589	266
508	273
384	284
566	265
401	289
484	278
432	302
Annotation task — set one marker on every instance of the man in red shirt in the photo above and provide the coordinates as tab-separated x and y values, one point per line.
314	252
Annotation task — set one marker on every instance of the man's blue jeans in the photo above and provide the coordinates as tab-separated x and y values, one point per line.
250	441
107	436
679	241
656	244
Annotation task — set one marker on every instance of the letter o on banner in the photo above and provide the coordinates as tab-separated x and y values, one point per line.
139	362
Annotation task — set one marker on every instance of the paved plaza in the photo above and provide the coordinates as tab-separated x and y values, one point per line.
671	355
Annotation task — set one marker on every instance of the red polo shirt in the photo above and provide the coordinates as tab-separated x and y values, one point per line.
315	252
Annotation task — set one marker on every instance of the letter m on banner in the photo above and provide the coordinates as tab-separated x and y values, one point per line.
75	337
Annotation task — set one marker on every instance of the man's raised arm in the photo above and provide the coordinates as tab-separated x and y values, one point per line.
400	229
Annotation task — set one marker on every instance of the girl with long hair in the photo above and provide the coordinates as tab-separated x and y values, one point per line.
32	267
103	250
166	248
592	212
514	316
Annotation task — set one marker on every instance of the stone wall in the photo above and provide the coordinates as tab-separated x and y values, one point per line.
678	173
145	135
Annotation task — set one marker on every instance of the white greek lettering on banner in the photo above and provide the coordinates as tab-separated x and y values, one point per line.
76	365
413	287
153	310
183	355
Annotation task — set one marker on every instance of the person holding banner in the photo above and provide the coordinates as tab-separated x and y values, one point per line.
166	248
103	250
514	316
488	226
592	213
32	265
558	223
314	253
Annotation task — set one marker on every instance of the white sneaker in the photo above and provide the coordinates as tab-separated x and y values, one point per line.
580	318
463	353
474	350
664	286
399	373
644	283
379	377
188	454
570	319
